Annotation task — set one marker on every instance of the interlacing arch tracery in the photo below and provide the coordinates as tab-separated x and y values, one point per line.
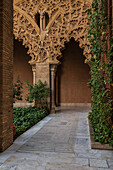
67	19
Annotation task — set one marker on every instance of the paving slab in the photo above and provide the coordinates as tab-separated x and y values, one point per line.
110	163
82	161
59	142
98	163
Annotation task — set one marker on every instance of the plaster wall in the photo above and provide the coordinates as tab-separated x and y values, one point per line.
21	66
73	75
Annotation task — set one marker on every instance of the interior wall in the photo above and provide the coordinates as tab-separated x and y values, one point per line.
73	75
21	66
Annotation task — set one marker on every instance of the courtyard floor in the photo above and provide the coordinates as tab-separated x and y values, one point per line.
59	142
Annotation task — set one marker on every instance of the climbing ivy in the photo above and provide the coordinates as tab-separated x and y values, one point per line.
101	67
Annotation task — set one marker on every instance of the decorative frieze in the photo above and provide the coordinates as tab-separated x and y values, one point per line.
67	19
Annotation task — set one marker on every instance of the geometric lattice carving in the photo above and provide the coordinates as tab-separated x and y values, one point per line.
67	19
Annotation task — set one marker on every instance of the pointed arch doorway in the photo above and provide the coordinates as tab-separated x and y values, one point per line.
72	77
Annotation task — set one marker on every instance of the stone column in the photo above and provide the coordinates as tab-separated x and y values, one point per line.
34	73
43	74
44	21
34	78
41	21
57	90
53	68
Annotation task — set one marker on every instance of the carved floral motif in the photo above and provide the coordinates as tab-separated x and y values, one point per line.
67	19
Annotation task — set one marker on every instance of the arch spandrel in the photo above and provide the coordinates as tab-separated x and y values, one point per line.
67	19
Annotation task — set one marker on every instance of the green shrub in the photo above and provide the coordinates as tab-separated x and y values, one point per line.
38	92
24	118
17	90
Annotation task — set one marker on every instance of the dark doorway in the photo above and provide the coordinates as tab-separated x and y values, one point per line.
72	76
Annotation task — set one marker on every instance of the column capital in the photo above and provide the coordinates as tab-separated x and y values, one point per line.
33	67
53	68
42	14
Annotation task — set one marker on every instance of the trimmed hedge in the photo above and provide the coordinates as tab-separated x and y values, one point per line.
25	118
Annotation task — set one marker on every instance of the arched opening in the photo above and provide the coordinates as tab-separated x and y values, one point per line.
37	19
72	76
22	67
46	19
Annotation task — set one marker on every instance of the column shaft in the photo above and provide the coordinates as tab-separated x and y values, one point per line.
53	71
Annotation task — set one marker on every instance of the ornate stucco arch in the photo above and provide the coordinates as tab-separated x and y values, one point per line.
67	18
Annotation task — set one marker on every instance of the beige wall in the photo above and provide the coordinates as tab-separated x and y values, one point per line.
73	75
21	65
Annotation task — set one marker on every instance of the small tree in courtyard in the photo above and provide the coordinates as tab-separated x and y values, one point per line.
17	89
38	92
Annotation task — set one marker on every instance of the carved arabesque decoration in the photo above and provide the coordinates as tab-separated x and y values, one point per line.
67	19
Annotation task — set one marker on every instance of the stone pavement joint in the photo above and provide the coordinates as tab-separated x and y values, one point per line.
59	142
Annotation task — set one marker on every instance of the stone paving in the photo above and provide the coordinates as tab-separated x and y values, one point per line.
59	142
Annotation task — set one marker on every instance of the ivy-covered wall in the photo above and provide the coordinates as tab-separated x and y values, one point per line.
101	62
